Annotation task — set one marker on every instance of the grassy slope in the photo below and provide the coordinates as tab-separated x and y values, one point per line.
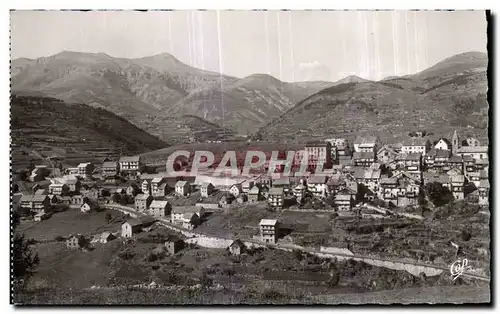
51	126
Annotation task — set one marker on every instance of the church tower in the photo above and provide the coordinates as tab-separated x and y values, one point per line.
455	143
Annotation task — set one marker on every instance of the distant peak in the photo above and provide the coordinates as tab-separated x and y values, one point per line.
260	76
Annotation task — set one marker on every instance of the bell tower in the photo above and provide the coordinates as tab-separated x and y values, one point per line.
455	143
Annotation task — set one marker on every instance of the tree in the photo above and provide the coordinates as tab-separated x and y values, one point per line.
24	259
116	197
108	217
438	194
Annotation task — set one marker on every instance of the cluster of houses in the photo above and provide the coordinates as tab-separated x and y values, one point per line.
394	174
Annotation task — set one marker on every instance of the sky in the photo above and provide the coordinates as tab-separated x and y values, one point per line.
289	45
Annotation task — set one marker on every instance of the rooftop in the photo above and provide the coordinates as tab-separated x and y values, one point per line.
268	222
365	140
317	180
130	159
157	180
109	164
276	191
414	141
158	203
473	149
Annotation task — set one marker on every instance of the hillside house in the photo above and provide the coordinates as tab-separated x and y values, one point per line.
16	201
132	189
437	160
469	164
484	192
253	194
226	200
76	241
237	247
110	169
347	162
343	202
59	189
246	186
386	155
174	246
481	164
39	173
182	188
263	181
455	162
142	202
411	162
472	142
415	145
41	192
89	205
442	178
131	164
340	147
242	198
112	180
106	236
235	190
476	152
476	177
363	159
190	221
77	201
41	216
283	183
146	187
457	183
371	179
300	191
65	200
35	203
157	190
160	209
90	191
400	190
443	144
318	153
317	186
177	212
131	227
269	230
334	184
206	188
85	169
73	185
366	144
276	198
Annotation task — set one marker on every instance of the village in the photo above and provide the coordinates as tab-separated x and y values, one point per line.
370	185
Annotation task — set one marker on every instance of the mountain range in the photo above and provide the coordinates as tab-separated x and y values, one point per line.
447	96
150	91
177	102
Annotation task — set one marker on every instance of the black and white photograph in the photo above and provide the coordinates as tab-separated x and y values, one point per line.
250	157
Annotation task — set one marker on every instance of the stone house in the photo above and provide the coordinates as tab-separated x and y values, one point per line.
131	227
132	189
146	187
60	189
237	247
276	198
190	220
269	230
35	203
206	188
76	241
253	194
235	190
174	246
142	202
182	188
110	169
343	202
160	209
